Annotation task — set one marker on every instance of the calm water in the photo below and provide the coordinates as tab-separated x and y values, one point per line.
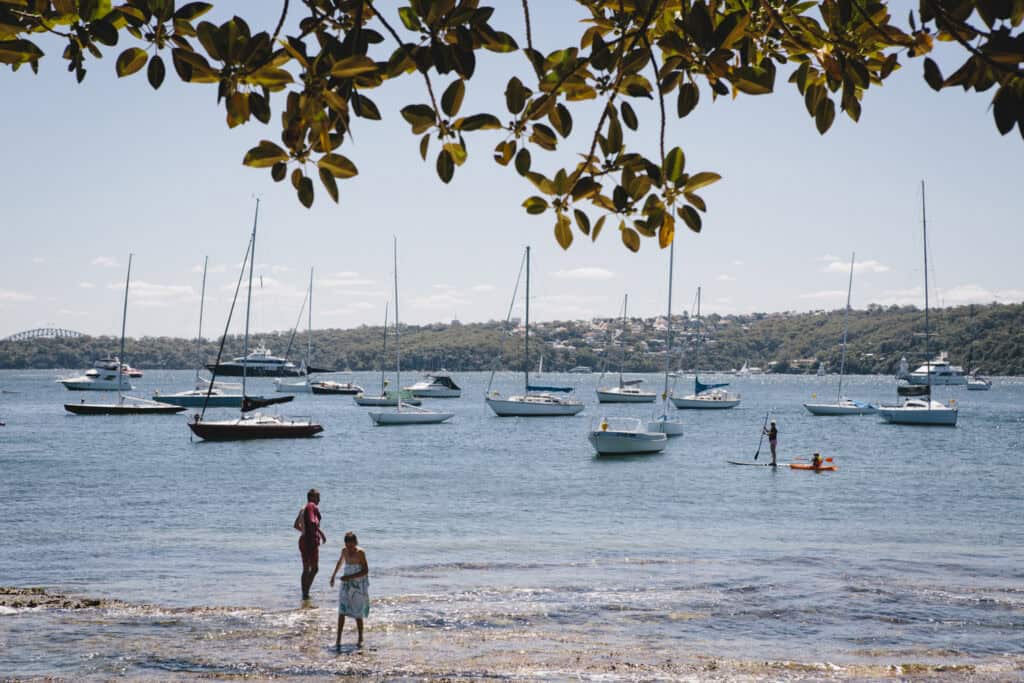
504	547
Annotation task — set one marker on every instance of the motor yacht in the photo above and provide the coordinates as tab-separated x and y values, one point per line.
625	436
102	376
938	372
259	363
435	385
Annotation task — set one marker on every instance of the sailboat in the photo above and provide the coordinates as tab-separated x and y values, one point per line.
705	396
255	426
133	406
627	391
210	394
536	401
302	385
843	405
670	426
385	399
410	414
922	411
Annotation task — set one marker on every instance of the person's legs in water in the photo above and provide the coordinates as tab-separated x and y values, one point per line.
310	566
359	627
341	625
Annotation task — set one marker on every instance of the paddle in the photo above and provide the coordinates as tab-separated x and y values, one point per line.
761	440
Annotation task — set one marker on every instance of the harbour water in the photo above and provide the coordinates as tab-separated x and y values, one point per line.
503	548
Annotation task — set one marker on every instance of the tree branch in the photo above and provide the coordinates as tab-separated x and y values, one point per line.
280	22
938	10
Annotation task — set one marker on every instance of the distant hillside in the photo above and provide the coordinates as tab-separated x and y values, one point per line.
988	337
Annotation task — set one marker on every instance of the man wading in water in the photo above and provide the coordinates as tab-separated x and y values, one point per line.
308	525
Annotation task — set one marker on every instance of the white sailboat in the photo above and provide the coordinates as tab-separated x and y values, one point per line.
533	402
386	399
922	411
705	396
670	426
404	413
843	405
626	391
301	385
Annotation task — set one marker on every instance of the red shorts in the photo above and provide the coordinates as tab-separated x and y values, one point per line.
310	555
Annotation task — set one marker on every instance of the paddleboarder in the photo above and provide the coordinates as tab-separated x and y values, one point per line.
773	439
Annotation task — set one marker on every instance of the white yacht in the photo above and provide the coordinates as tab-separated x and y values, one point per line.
102	376
937	372
625	436
976	382
435	385
920	411
259	363
626	392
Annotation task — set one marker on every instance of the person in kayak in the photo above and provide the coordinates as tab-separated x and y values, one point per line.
773	439
816	461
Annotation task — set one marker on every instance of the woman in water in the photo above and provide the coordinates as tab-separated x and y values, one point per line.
354	594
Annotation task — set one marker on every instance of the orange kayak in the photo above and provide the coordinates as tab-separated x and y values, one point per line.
808	466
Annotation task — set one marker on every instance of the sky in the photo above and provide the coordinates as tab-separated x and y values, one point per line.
95	171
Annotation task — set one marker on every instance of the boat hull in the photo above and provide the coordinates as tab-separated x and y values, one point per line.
235	370
615	396
383	401
608	442
518	407
666	426
935	417
700	403
340	390
921	379
82	384
245	430
114	409
395	418
434	393
292	387
197	400
839	409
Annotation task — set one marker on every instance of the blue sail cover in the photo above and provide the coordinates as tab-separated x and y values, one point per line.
540	387
699	386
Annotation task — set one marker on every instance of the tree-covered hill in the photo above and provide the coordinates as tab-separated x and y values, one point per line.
986	337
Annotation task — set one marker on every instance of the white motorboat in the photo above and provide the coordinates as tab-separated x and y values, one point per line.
938	372
330	387
386	400
705	396
922	410
625	436
435	385
301	385
843	405
102	376
666	424
534	402
403	413
627	391
976	382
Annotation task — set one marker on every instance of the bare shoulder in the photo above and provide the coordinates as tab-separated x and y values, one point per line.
361	554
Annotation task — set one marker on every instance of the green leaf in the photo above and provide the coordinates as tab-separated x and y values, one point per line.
104	32
689	96
582	220
825	115
932	75
424	145
535	205
629	116
451	100
561	119
667	231
563	231
457	152
269	77
353	66
237	106
156	71
523	161
305	191
597	228
445	166
675	164
329	183
420	117
409	18
699	180
503	152
690	217
278	170
515	95
477	122
192	10
630	238
265	154
364	107
338	166
18	51
130	61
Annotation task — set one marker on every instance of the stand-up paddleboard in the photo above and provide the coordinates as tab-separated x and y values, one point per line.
755	464
813	468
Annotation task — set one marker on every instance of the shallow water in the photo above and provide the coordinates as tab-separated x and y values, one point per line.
504	547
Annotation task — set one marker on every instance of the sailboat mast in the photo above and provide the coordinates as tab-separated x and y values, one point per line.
248	300
124	319
526	337
202	302
846	327
309	327
696	355
398	334
384	353
927	351
668	321
622	344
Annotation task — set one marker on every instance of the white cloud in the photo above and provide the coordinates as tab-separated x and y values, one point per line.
150	295
828	258
725	277
737	262
445	300
67	313
86	285
343	279
348	309
11	295
825	294
585	273
837	265
482	288
104	261
443	286
38	259
976	294
218	268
